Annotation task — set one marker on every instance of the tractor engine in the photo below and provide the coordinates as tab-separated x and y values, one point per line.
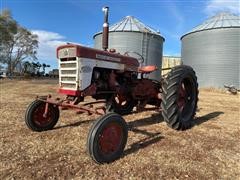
86	71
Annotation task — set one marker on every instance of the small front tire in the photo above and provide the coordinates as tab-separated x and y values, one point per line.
107	138
35	120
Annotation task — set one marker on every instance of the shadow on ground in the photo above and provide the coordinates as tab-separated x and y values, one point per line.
154	119
151	138
207	117
78	123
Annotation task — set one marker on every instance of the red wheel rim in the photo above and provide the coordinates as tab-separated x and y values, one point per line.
182	97
111	138
38	117
121	101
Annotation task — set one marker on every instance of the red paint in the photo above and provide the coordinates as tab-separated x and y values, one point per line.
91	53
90	90
39	118
182	97
110	139
69	92
145	89
64	103
112	81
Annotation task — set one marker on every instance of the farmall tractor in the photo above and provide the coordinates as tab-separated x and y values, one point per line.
118	82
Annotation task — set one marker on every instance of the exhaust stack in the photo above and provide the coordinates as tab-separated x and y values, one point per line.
105	29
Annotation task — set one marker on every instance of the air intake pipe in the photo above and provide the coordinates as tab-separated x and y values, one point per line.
105	29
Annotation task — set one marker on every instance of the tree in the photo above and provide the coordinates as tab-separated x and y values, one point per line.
36	66
16	42
1	67
8	26
44	67
26	67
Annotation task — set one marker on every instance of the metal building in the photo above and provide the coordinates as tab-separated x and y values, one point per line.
131	35
213	50
170	62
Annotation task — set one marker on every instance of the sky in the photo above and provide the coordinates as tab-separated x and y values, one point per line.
59	21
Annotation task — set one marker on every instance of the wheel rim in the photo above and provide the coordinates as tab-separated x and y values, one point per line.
110	139
121	102
182	97
38	117
186	98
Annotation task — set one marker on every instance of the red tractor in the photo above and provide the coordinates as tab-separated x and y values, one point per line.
117	82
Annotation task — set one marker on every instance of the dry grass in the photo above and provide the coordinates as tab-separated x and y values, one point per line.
209	150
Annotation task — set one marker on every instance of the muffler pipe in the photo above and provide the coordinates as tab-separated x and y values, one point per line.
105	29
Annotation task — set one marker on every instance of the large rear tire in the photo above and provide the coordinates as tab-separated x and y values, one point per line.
107	138
35	120
180	96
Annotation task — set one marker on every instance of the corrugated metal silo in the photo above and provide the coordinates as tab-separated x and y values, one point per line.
131	35
213	50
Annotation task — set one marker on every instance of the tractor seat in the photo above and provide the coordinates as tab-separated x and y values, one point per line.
147	69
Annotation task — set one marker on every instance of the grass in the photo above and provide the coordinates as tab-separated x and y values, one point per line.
209	150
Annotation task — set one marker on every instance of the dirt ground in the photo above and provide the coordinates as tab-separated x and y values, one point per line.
209	150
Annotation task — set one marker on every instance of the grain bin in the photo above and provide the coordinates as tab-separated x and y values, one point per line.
213	50
131	35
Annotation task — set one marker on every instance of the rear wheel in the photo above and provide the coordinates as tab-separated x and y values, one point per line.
180	96
35	120
107	138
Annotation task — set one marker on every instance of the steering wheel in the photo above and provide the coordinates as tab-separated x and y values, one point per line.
140	57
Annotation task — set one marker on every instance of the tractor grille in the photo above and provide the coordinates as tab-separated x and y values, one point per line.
68	86
66	71
68	65
68	79
68	76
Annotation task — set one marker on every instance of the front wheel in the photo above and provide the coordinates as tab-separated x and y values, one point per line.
107	138
35	119
180	96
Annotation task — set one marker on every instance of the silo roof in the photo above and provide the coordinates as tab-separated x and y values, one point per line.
131	24
221	20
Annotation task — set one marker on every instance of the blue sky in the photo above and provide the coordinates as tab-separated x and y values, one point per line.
60	21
